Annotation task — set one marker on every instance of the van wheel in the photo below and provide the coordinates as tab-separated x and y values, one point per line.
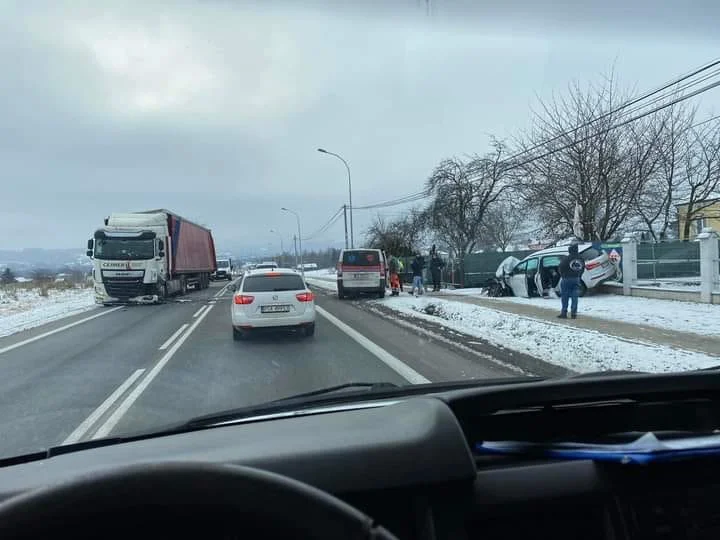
341	292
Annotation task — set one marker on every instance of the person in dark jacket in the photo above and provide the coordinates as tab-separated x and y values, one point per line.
571	270
417	267
436	266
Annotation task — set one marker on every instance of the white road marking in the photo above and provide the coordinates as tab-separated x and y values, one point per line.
122	409
454	343
392	362
172	338
83	428
57	330
198	312
222	291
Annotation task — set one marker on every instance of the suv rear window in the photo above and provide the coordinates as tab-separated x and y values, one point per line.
589	254
361	257
278	282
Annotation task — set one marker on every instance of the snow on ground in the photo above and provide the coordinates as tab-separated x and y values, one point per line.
579	350
26	308
325	273
667	314
324	284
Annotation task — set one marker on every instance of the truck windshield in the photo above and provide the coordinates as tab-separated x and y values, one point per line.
124	249
223	264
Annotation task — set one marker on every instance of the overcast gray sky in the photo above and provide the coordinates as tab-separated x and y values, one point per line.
215	108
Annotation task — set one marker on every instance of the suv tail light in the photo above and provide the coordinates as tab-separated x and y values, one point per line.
305	297
243	299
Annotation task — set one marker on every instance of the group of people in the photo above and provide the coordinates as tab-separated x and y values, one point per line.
417	266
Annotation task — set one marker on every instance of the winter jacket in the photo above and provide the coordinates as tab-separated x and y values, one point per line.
417	266
572	266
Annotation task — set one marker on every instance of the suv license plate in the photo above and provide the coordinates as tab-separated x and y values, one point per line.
274	309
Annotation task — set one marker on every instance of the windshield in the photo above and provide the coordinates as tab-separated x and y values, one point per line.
413	171
265	283
124	249
361	258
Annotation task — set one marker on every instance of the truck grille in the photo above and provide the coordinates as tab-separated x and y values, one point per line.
128	287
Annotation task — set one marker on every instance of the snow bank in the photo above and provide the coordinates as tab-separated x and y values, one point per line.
667	314
327	283
25	308
579	350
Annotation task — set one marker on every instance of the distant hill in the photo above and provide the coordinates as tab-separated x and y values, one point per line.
24	261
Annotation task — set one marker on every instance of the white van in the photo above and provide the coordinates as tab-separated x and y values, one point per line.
538	271
361	271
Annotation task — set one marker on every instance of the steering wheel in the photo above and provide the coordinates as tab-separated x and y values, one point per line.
178	496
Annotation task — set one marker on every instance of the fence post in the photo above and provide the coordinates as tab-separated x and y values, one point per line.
629	264
709	256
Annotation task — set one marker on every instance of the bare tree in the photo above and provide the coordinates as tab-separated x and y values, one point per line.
463	191
502	223
701	172
655	200
400	237
579	155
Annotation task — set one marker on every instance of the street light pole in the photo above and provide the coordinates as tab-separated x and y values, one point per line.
350	205
299	237
282	250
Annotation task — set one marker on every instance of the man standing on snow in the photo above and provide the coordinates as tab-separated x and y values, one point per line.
571	270
436	265
417	269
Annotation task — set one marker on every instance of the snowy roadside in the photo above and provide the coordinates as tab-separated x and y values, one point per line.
25	308
579	350
690	317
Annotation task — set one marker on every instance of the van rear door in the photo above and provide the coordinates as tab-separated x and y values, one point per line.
361	269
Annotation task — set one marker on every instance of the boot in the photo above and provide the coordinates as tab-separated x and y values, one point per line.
562	316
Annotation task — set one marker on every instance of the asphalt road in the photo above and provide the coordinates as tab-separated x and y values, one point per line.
119	370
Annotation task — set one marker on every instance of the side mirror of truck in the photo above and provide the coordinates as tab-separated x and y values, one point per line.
161	253
89	253
90	244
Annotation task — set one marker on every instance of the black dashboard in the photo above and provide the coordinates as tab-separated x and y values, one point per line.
408	461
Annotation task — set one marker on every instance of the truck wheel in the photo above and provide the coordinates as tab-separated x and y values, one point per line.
183	287
381	293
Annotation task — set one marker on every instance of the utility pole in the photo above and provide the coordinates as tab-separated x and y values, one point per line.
346	233
296	253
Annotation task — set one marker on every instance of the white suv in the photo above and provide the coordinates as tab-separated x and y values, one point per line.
277	299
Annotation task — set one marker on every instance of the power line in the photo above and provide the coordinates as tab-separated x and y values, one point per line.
420	195
623	123
625	105
330	222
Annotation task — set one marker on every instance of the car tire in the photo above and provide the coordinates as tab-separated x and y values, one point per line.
239	335
309	330
381	293
582	289
341	292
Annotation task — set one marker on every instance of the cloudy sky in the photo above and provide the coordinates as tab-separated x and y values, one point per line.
215	108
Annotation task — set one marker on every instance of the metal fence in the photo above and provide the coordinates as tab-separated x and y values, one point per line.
677	259
668	260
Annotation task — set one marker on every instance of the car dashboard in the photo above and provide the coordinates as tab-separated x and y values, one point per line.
408	461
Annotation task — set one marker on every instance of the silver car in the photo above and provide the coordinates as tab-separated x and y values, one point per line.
538	273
